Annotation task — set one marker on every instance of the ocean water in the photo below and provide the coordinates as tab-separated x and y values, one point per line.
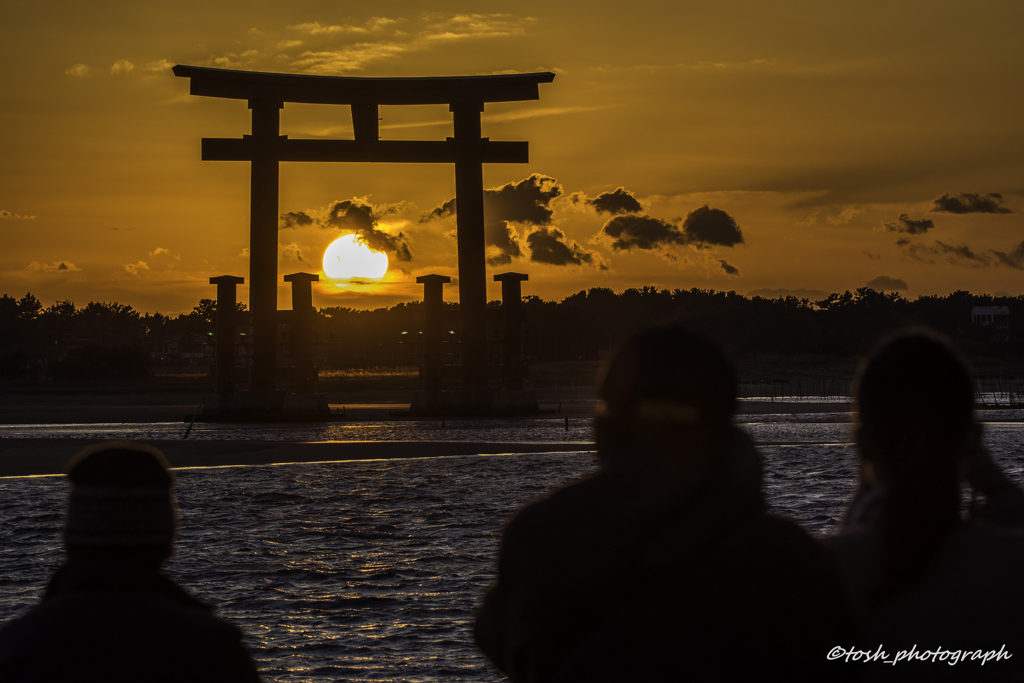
370	570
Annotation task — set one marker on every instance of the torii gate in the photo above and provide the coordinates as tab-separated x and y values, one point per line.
267	93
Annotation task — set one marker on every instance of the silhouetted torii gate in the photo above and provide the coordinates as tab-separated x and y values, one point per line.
267	93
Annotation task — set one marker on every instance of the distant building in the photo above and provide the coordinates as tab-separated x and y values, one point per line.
997	317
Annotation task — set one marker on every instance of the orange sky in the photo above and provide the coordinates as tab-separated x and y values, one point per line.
830	136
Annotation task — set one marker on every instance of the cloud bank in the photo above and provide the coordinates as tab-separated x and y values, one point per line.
619	201
702	228
54	267
526	202
909	226
889	284
967	202
549	245
353	216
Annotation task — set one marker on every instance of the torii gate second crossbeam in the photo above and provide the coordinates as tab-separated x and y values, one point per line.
267	93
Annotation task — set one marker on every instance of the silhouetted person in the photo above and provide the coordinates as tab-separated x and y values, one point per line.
663	565
918	573
108	613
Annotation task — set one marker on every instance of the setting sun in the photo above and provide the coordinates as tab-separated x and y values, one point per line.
347	258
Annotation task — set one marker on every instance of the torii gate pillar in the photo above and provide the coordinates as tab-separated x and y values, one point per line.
469	222
263	217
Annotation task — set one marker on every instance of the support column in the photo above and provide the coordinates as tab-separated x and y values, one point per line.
469	216
512	312
304	368
433	330
225	331
263	217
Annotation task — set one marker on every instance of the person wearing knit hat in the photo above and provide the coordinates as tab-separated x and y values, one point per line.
108	613
663	565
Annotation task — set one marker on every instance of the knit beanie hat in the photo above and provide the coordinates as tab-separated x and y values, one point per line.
121	497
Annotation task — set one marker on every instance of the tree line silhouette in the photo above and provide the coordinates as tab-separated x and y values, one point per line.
113	340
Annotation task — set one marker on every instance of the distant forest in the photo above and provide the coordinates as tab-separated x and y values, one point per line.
34	339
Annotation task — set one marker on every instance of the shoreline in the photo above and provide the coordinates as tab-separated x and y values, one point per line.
99	408
45	457
25	456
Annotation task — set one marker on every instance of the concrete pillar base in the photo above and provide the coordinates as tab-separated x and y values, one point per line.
219	405
462	402
515	403
306	405
260	403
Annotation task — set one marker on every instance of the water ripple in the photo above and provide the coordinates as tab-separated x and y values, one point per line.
370	570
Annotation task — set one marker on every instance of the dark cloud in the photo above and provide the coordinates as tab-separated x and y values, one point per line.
619	201
706	226
294	219
359	217
872	255
729	270
62	266
961	255
352	214
642	232
968	202
549	245
444	211
909	226
502	243
527	201
703	227
902	242
1015	259
888	284
962	252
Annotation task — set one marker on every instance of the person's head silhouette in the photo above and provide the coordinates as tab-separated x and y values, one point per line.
667	398
917	438
915	412
121	506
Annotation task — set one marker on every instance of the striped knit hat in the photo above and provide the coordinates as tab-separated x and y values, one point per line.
122	496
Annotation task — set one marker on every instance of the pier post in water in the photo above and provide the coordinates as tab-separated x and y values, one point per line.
303	368
303	403
225	333
513	397
512	313
433	330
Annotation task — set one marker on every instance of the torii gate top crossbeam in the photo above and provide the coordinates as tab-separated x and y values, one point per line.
250	85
